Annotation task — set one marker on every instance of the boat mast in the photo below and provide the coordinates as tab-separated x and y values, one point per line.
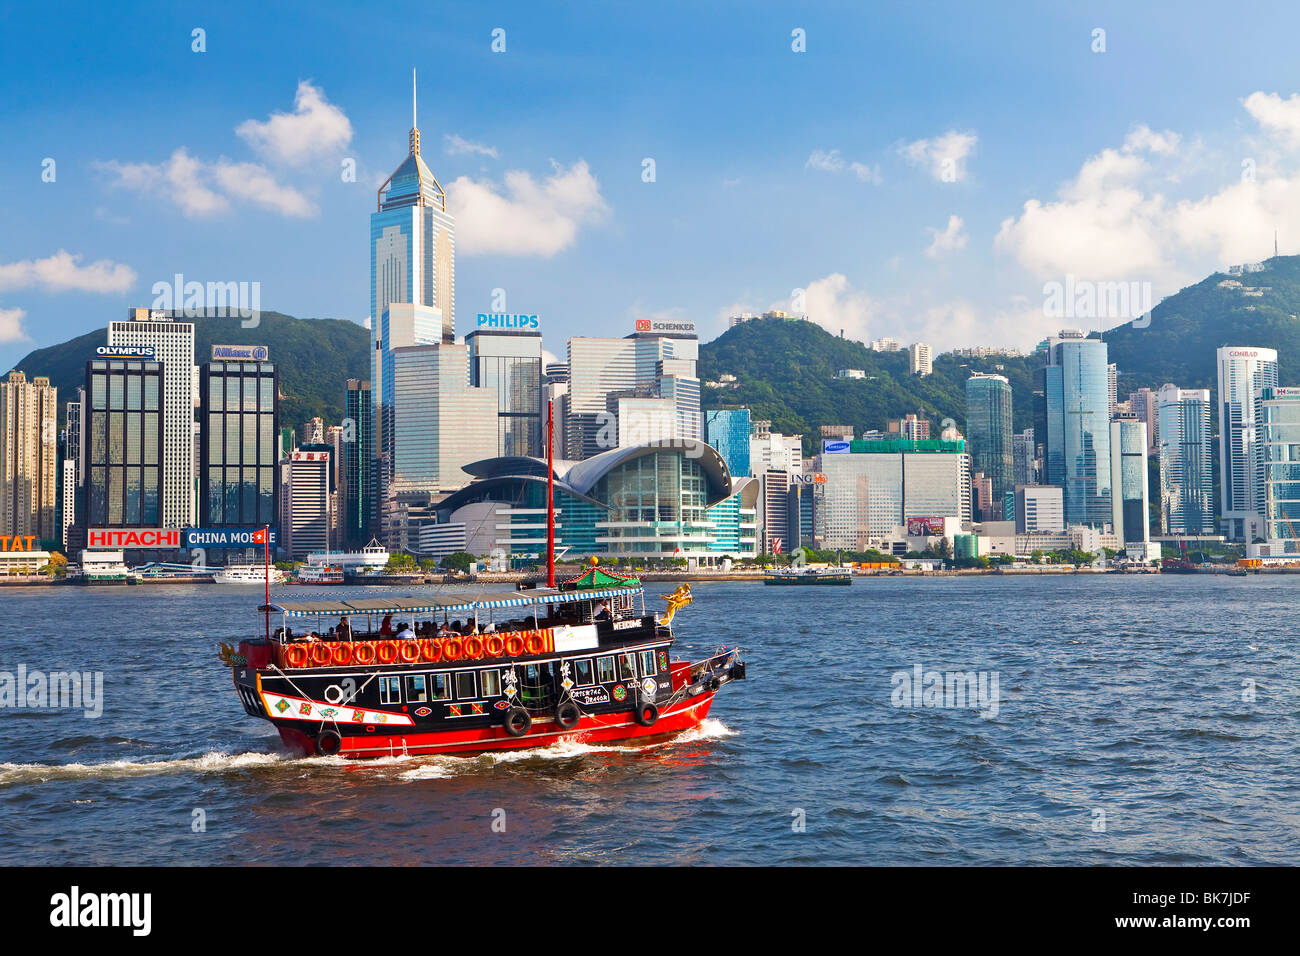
550	493
266	554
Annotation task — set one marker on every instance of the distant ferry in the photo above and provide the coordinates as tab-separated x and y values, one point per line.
249	574
105	567
373	557
320	574
808	576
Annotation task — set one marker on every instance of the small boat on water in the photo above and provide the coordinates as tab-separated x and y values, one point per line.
249	574
319	574
807	576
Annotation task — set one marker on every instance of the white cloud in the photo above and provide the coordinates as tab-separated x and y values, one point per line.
455	145
63	272
315	128
252	182
11	325
833	162
201	189
835	305
945	156
949	239
1276	116
528	217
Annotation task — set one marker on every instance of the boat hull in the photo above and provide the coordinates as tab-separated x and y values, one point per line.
591	729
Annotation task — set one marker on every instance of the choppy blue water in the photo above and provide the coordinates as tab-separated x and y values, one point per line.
1122	736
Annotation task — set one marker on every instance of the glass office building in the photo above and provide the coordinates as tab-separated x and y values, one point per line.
1076	414
510	365
1186	461
1280	459
123	421
1128	467
728	431
238	421
988	431
1243	372
360	514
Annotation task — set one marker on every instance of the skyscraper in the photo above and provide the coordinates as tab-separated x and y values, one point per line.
360	514
1243	371
124	417
919	359
509	364
1076	398
728	430
172	344
29	483
988	431
412	262
1279	439
1186	460
238	418
1128	480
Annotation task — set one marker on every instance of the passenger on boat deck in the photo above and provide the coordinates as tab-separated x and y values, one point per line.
386	628
406	634
445	630
490	627
344	630
602	611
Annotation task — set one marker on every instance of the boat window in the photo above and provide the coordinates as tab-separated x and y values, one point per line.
416	691
627	667
439	686
390	690
490	682
647	663
582	673
465	685
605	670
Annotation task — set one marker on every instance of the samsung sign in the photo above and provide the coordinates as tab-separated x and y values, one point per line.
225	538
501	320
834	447
126	351
240	353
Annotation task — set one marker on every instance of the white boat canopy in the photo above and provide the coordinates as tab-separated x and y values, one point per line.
448	604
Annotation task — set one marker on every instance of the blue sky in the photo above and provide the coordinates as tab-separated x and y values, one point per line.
775	170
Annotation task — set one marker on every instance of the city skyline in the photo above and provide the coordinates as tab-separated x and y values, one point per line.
243	181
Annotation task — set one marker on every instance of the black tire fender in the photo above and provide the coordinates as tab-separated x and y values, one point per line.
567	715
517	721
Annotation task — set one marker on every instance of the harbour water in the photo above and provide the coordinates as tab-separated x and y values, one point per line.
1138	720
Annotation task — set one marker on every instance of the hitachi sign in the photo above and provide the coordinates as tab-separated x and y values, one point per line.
500	320
133	538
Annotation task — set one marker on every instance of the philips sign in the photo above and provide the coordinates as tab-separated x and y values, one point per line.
126	351
500	320
240	353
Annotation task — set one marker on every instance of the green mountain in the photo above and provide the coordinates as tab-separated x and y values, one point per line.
785	372
1185	329
314	357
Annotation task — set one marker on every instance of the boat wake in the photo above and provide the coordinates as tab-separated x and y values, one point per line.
420	768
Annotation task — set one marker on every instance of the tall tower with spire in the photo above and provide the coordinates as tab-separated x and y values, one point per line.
412	278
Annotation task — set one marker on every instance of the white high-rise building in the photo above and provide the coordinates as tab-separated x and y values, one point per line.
306	505
1128	481
776	452
1243	371
919	359
172	342
29	483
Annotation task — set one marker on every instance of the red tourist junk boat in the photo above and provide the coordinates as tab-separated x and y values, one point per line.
463	674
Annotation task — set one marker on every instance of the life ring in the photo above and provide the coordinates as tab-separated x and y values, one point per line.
647	712
321	654
295	655
567	715
517	721
430	651
341	653
514	645
452	649
494	645
408	652
386	652
328	743
536	643
473	648
364	653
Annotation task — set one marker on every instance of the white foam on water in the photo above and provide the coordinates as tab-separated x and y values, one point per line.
211	762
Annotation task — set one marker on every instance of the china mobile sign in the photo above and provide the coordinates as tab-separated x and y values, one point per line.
133	538
226	537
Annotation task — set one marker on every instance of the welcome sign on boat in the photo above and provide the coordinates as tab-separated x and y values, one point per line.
582	661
